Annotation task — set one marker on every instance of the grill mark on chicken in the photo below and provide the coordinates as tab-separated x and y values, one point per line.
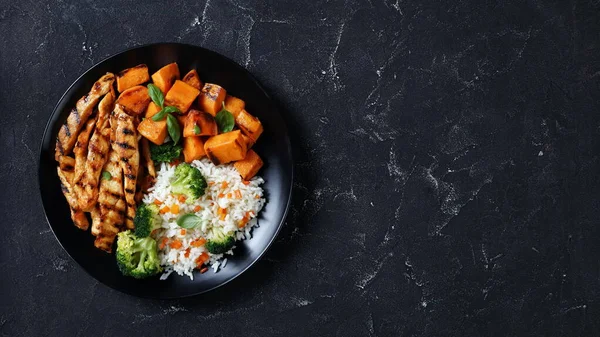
87	188
78	217
111	205
79	115
125	143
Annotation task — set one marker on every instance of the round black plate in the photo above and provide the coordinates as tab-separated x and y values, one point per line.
273	146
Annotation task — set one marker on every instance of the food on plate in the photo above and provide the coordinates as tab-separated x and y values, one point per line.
193	148
211	98
137	257
132	76
67	135
134	100
249	125
199	123
181	95
166	76
226	147
193	79
234	105
249	166
164	168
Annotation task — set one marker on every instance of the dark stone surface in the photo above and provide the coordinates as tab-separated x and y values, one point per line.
447	167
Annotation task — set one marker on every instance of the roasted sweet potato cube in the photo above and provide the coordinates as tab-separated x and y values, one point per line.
181	96
234	105
249	124
154	131
134	100
249	166
226	147
152	110
166	76
193	148
131	77
204	121
249	141
193	79
211	98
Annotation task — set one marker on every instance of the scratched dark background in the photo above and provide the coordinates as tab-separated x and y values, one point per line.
446	158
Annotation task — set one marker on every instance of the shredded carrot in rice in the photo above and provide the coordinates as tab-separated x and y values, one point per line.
181	198
221	195
238	194
164	210
157	202
256	196
197	208
182	232
202	259
224	185
175	244
199	242
229	195
210	183
175	209
163	243
187	253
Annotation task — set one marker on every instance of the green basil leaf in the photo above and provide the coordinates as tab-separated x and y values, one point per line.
225	120
157	96
173	128
160	115
197	130
106	175
189	221
171	109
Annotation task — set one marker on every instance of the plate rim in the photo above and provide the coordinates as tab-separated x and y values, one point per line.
288	146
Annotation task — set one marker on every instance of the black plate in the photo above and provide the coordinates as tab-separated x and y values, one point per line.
273	146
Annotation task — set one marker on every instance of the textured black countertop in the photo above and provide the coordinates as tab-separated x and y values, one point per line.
447	168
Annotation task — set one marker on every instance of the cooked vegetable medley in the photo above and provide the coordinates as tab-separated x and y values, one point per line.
164	165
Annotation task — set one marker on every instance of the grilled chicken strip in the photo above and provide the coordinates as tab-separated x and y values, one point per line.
147	158
67	136
80	151
65	172
125	143
109	214
86	184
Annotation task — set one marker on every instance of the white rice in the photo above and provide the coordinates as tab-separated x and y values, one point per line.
216	196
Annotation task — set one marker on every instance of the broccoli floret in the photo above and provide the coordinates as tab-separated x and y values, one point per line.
188	181
165	153
221	242
147	219
137	257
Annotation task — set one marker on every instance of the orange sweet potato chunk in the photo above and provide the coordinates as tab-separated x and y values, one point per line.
226	147
166	76
193	148
204	121
193	79
211	98
234	105
131	77
134	100
249	166
154	131
249	141
181	96
152	110
249	124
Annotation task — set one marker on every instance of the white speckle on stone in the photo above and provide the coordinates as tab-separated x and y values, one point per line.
541	153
